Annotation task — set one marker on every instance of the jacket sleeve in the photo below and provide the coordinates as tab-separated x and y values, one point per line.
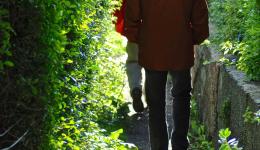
199	21
132	20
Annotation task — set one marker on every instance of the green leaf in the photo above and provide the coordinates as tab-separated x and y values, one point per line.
34	90
9	63
224	133
225	147
69	61
114	135
8	53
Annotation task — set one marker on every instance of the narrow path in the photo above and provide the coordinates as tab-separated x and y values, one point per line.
137	131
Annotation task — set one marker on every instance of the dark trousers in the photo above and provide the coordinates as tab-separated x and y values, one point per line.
155	84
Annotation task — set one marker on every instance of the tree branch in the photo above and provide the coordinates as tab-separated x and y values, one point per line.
17	141
3	134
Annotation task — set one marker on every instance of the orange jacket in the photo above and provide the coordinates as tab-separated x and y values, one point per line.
166	31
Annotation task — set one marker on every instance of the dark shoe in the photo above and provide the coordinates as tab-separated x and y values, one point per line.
136	95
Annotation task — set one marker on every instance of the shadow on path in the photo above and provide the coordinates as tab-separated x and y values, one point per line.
137	131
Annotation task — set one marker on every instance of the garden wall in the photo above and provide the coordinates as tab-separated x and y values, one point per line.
223	95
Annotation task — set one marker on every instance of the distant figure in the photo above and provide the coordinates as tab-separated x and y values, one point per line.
133	69
166	32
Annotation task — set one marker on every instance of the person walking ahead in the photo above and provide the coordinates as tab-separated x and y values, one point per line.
133	69
166	31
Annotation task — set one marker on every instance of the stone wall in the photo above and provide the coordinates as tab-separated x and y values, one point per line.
223	94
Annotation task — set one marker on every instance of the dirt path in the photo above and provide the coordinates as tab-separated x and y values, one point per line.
137	131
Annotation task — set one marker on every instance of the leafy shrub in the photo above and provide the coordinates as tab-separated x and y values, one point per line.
57	88
226	143
199	140
197	132
237	22
251	117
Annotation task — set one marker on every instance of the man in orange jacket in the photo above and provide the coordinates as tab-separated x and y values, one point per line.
133	69
166	31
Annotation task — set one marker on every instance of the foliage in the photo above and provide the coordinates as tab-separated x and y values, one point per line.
197	132
5	30
226	143
60	81
225	112
251	117
198	138
237	32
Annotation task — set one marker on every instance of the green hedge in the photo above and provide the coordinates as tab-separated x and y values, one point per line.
51	75
236	26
